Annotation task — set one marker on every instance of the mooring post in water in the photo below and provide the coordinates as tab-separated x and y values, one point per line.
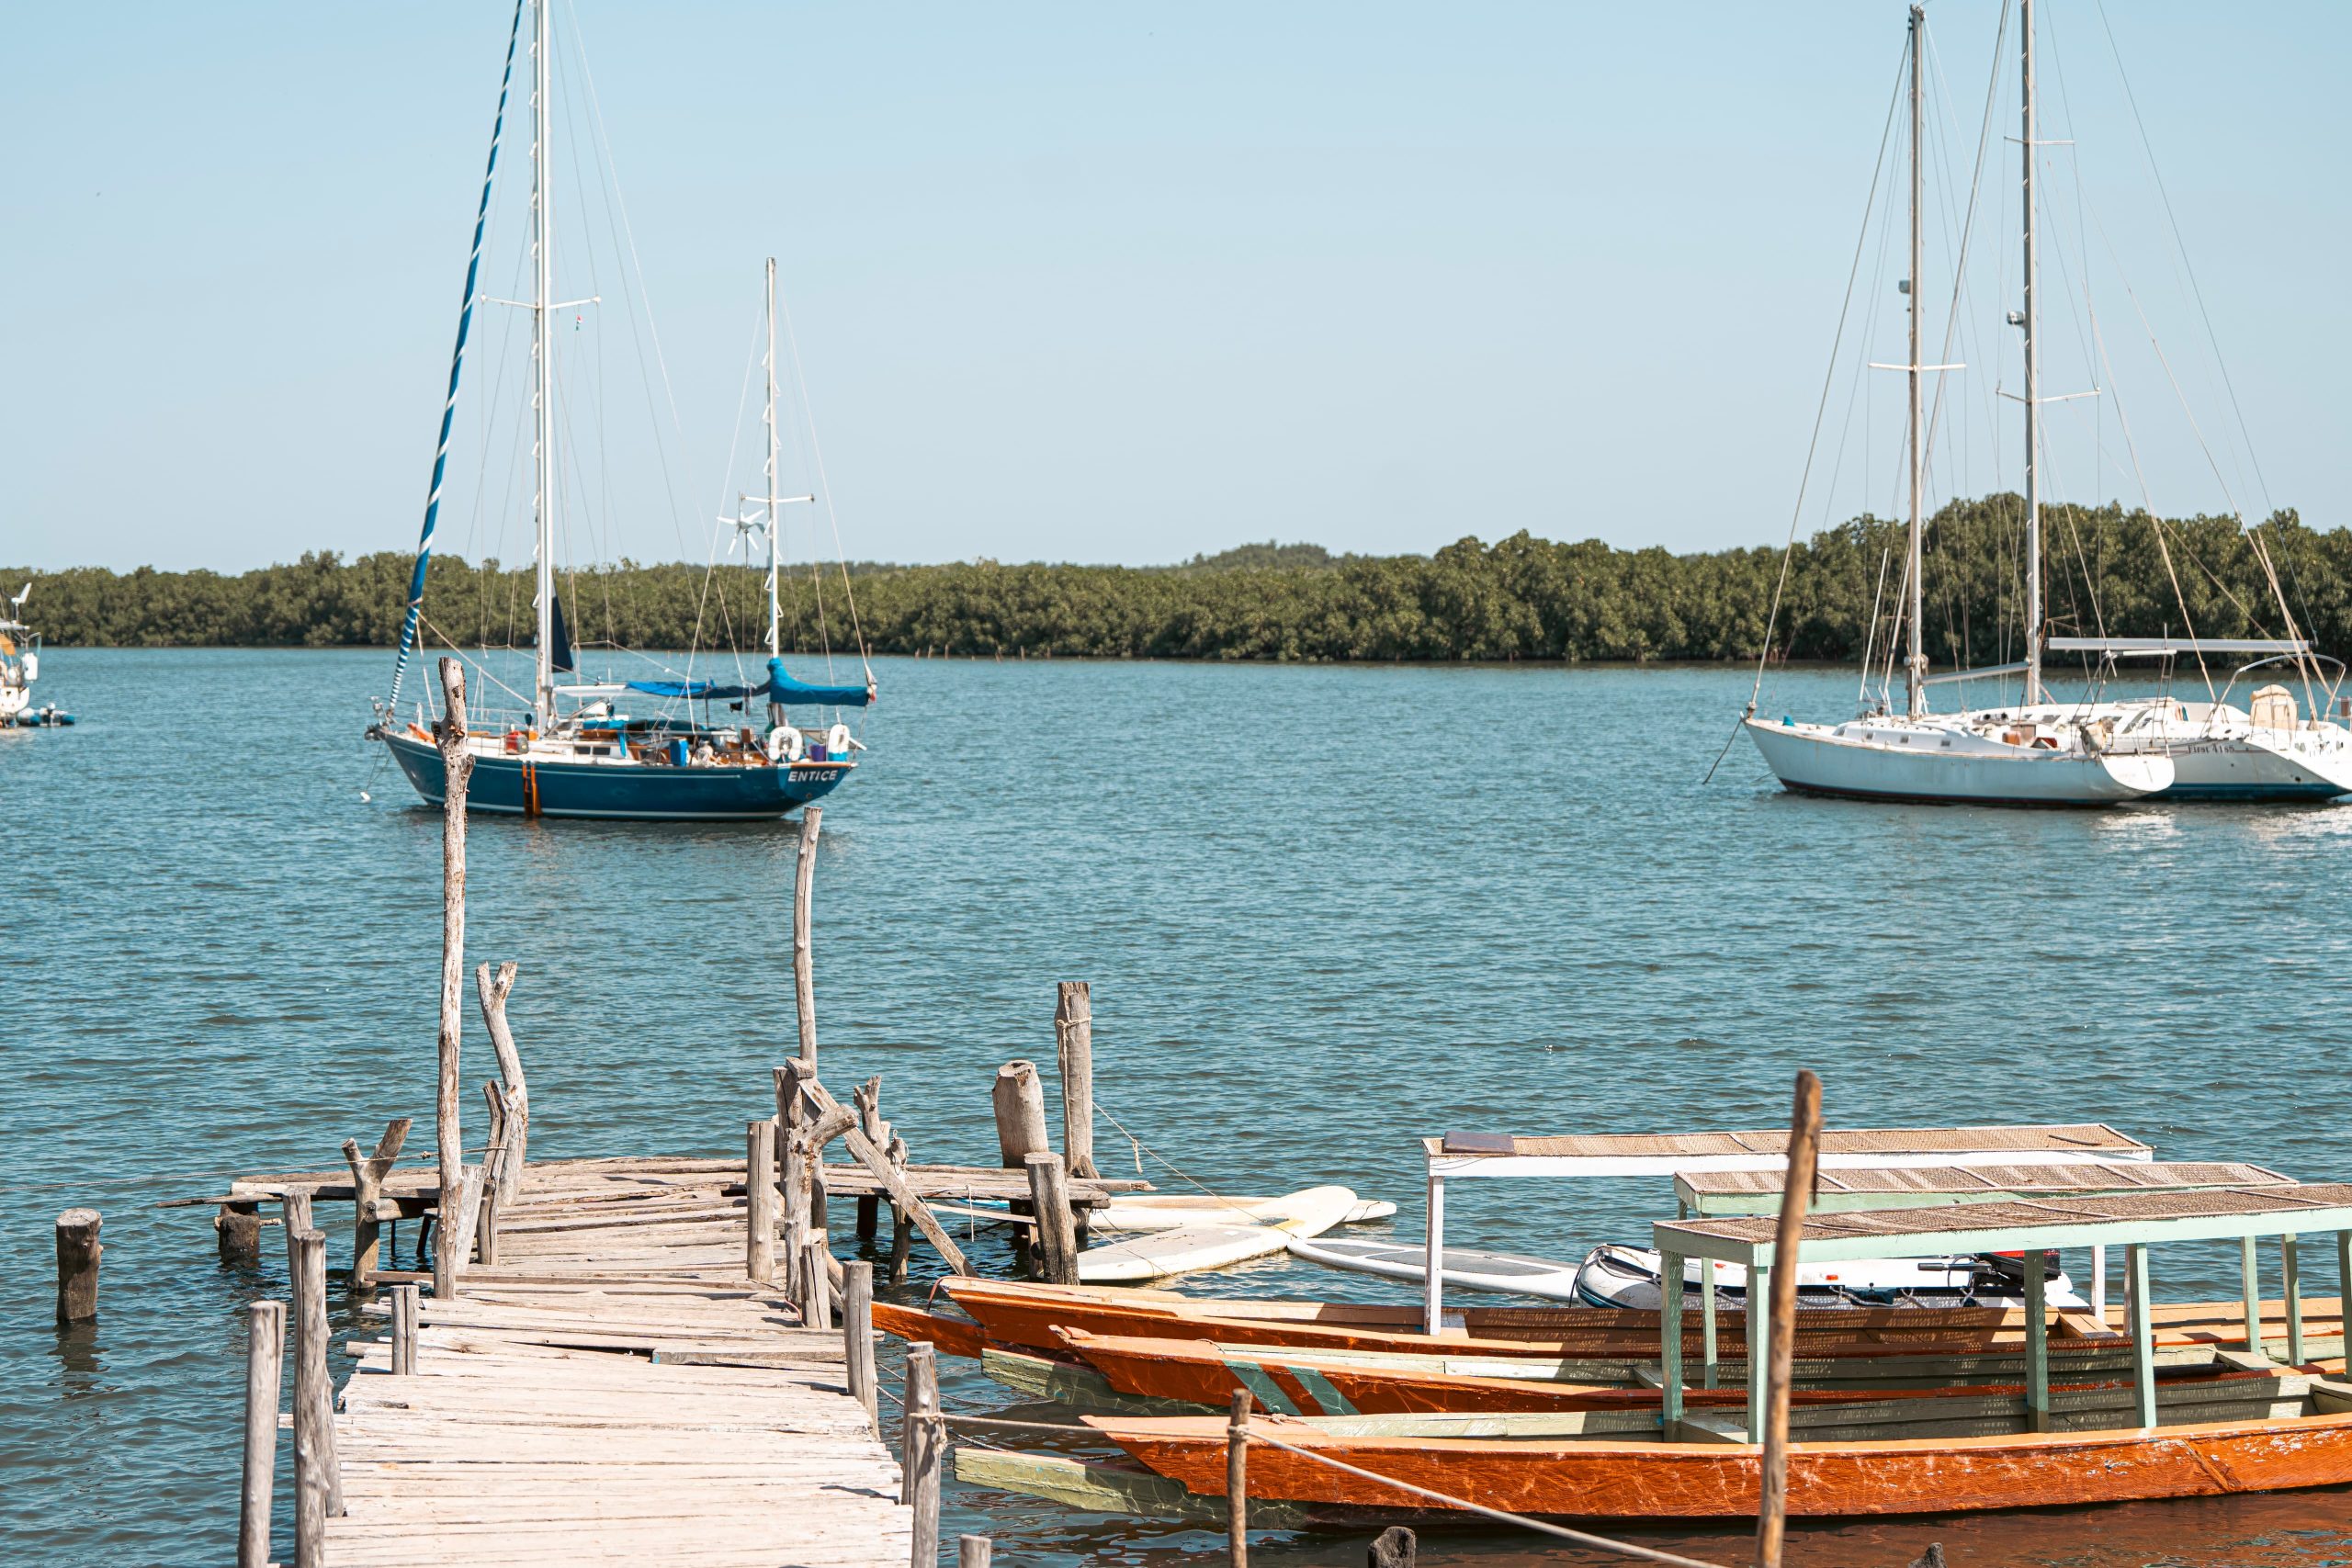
513	1094
296	1207
922	1439
1237	1480
1392	1548
265	1364
1074	1045
1796	1196
404	1325
758	1199
857	1339
239	1223
974	1550
457	768
77	1265
1056	1232
804	984
366	1188
1020	1106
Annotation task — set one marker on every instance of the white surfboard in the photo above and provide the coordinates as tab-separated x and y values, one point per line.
1171	1211
1463	1267
1159	1254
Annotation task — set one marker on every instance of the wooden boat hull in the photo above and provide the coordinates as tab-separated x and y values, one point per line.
1598	1480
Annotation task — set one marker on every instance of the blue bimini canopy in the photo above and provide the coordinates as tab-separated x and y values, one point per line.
780	688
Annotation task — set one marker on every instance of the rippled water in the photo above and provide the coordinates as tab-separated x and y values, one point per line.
1324	911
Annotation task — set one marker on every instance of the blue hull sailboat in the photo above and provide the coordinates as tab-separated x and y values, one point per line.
578	750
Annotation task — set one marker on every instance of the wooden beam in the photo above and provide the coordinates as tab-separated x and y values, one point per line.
2290	1286
1669	1345
1710	1342
2144	1357
2037	1342
893	1181
2250	1288
1759	1281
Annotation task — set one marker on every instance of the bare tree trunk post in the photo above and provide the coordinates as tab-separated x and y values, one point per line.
77	1265
759	1201
404	1325
857	1339
368	1186
1020	1106
816	1283
1074	1043
1237	1480
1796	1196
1056	1232
791	1114
804	992
922	1439
457	768
318	1485
265	1366
514	1095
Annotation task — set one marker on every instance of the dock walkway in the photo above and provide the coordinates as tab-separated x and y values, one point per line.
615	1387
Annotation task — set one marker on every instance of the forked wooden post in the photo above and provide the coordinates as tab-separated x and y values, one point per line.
77	1265
804	984
1074	1045
1056	1232
1020	1105
367	1189
318	1483
857	1340
514	1093
922	1439
759	1201
1796	1196
405	1326
457	768
1237	1480
264	1365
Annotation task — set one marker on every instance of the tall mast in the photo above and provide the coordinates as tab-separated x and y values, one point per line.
543	350
775	513
2033	376
1916	667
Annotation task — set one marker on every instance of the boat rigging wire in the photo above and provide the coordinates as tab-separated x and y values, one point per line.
1837	346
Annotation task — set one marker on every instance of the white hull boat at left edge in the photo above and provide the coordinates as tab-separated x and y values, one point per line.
1898	759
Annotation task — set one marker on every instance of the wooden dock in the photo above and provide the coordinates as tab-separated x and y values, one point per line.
614	1387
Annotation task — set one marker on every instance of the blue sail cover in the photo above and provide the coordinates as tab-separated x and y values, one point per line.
780	688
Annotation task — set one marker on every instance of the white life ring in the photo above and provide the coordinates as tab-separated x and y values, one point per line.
837	742
786	746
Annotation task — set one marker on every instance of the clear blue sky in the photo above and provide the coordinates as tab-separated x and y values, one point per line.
1115	282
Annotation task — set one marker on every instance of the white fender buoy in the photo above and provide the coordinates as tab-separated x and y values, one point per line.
837	741
786	745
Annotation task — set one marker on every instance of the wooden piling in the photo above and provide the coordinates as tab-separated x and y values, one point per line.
1237	1480
367	1187
1056	1231
486	1208
457	768
816	1284
857	1339
902	1221
295	1208
514	1093
759	1201
922	1438
265	1364
1392	1548
318	1484
893	1179
1020	1113
77	1265
974	1550
1074	1045
404	1325
804	988
240	1227
868	1098
1796	1196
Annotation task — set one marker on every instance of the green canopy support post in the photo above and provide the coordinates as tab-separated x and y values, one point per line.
2037	1342
1709	1373
1759	1325
1670	1346
2290	1285
2250	1286
2143	1336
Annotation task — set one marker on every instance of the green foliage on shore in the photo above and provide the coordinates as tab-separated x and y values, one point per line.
1519	598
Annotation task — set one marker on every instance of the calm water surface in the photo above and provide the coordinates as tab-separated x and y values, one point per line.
1324	910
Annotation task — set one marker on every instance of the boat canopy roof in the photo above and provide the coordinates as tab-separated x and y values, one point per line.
1670	1154
2109	1219
1713	1193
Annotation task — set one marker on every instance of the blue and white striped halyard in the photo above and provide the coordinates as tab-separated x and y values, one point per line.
456	364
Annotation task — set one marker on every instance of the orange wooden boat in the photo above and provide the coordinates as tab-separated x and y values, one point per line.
1579	1475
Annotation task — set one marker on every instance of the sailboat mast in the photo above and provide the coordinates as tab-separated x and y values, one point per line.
543	349
2032	378
1916	667
775	506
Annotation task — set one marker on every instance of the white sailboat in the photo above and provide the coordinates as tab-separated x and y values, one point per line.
2038	756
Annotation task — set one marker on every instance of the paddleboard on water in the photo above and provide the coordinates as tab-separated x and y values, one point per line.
1462	1266
1186	1248
1167	1212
